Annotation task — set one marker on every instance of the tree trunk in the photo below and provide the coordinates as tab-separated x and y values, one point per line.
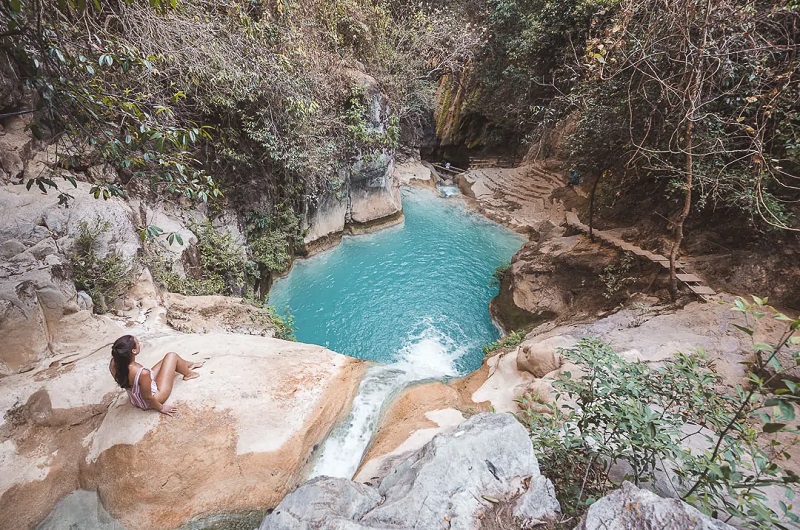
591	205
694	88
687	205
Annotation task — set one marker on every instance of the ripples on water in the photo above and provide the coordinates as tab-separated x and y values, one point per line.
414	297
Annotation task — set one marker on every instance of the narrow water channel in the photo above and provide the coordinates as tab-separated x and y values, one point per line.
413	297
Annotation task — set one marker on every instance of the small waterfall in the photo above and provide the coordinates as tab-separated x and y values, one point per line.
430	355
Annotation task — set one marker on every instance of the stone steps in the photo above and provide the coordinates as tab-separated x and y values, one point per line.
692	282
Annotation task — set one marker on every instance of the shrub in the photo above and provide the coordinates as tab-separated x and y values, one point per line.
106	279
283	323
499	273
273	238
509	341
621	412
222	266
615	277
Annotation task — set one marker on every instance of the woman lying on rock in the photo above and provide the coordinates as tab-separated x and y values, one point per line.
136	379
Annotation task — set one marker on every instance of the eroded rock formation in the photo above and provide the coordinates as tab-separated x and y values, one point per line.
450	482
241	438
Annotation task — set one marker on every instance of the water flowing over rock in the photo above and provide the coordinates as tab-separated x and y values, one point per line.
631	508
448	483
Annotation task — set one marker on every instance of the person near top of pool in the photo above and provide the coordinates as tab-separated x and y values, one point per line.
147	388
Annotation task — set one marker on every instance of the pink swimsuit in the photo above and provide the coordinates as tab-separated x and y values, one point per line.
135	393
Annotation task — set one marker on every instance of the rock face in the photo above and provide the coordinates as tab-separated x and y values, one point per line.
36	289
240	440
539	358
552	279
364	195
206	314
631	508
448	483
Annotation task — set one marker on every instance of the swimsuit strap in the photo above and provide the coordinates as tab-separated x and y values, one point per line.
135	394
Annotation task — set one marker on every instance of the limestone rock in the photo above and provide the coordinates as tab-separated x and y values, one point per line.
367	194
413	171
241	438
537	504
551	280
80	509
631	508
373	193
323	502
450	482
540	357
205	314
36	290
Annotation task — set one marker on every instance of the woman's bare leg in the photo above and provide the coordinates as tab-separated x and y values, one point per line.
165	373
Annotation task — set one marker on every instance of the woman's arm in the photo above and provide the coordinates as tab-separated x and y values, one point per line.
152	402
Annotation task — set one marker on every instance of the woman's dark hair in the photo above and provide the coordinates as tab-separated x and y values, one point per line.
122	352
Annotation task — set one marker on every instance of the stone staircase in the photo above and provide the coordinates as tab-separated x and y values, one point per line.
692	282
518	197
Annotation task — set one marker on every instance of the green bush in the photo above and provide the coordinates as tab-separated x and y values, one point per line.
222	265
620	412
283	324
273	238
615	277
499	273
105	279
509	341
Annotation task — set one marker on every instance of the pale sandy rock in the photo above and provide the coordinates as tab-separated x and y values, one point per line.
631	508
538	504
541	389
413	172
241	439
446	483
207	314
423	407
540	357
259	408
373	192
445	420
368	198
36	291
336	503
326	218
16	143
49	412
78	510
652	334
504	384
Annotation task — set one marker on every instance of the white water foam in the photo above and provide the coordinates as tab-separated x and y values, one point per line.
429	355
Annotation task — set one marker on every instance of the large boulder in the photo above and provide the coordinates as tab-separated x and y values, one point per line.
540	357
554	279
631	508
241	439
449	483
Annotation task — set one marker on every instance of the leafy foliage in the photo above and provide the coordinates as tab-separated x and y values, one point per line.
617	276
514	338
627	415
107	278
272	239
499	273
